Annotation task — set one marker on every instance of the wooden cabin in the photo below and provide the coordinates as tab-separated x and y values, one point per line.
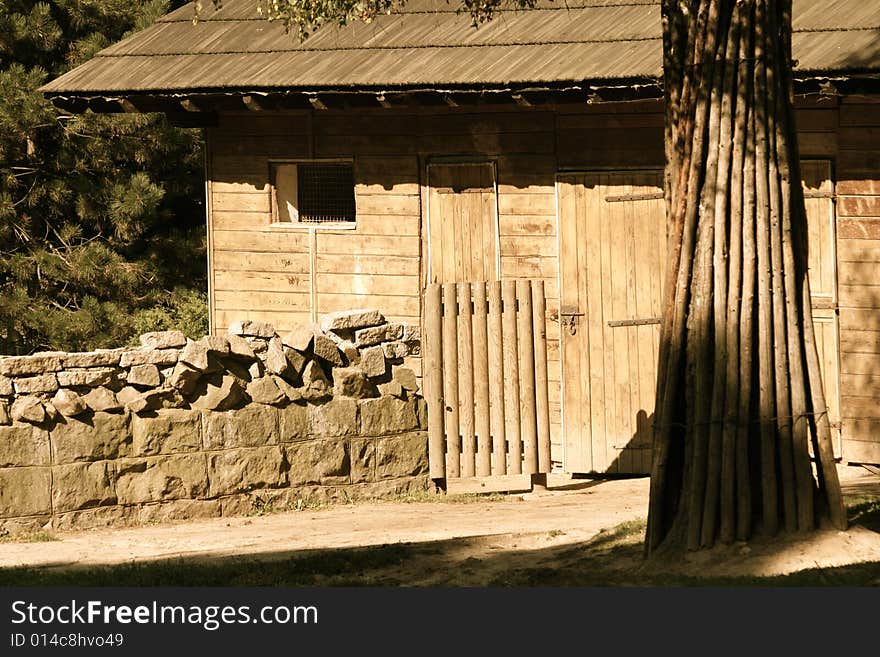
355	168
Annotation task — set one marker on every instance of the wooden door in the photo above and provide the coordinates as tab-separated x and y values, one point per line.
612	241
822	268
462	223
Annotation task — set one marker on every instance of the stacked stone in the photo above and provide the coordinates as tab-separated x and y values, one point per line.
355	354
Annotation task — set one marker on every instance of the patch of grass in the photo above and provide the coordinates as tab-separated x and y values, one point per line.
266	505
440	498
30	537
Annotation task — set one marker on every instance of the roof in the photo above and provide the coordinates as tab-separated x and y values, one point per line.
428	45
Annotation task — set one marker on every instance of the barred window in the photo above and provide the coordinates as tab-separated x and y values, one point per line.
314	192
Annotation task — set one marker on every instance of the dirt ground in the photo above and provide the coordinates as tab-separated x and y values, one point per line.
475	543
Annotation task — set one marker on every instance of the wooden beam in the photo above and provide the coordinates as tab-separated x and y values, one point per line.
189	105
449	100
252	104
521	100
317	103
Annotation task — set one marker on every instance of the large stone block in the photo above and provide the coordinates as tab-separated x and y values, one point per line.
387	415
38	383
28	409
88	377
337	417
300	338
251	426
405	377
156	479
217	393
373	361
265	391
6	388
352	382
83	485
184	378
25	492
240	348
102	399
149	357
163	340
363	459
5	416
327	350
69	403
294	423
144	376
22	444
133	399
27	365
216	344
99	358
168	431
96	437
250	328
248	468
350	320
405	455
318	462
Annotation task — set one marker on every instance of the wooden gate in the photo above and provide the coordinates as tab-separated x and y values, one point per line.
485	378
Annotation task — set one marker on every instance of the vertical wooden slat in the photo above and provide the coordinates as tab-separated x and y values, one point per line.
450	379
497	376
481	381
433	379
466	379
511	378
526	349
542	392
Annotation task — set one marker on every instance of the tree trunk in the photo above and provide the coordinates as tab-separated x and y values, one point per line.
739	393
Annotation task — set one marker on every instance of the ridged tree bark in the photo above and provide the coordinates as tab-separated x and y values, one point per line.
739	393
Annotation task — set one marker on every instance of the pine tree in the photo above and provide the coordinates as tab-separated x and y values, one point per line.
101	216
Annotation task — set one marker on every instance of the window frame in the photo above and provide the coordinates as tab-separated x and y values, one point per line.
276	223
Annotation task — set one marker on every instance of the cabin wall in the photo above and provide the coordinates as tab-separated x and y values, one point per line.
265	273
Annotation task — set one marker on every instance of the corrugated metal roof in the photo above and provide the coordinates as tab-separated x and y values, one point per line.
429	44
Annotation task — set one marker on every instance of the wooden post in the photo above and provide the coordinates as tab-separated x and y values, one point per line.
450	380
432	375
481	381
511	378
542	392
526	349
466	379
497	373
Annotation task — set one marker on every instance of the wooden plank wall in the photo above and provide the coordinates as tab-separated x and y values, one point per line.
265	273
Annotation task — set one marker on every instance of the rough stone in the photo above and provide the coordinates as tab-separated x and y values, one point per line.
184	378
69	403
239	347
168	431
395	350
5	417
373	361
350	352
82	485
249	468
386	415
101	399
276	362
405	455
300	338
38	383
28	409
217	393
318	462
52	413
258	345
146	376
376	334
91	438
22	444
256	369
405	377
251	426
88	378
352	382
293	394
265	391
392	388
337	417
163	340
132	399
293	423
421	412
216	344
149	357
160	398
157	479
25	492
6	386
99	358
349	320
363	459
411	333
297	360
413	347
327	350
251	328
26	365
195	354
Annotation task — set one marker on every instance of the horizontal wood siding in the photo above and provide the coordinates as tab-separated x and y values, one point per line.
858	233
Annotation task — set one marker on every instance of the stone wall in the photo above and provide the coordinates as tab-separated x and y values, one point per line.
181	428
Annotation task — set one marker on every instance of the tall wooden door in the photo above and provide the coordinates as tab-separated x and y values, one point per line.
612	249
822	268
462	223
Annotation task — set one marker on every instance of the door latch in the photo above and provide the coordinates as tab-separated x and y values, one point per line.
568	316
